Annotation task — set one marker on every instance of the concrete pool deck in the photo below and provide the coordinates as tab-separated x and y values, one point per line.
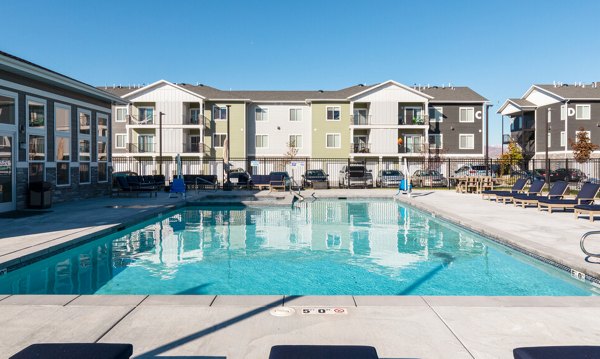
242	326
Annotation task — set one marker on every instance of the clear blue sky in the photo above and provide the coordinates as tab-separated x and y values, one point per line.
498	48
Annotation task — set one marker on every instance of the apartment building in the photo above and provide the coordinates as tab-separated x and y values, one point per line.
52	128
386	120
560	109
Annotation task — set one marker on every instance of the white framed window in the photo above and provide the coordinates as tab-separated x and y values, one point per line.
436	141
589	135
219	140
583	112
102	146
120	140
333	113
261	114
295	114
121	113
36	137
549	139
333	140
219	113
436	114
466	141
62	151
262	141
84	145
146	115
8	107
563	112
62	118
563	139
195	116
295	141
466	114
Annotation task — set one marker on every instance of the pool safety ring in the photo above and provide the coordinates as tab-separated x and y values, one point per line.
282	312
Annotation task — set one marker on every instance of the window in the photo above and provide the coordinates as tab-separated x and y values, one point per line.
219	113
261	114
589	134
121	114
120	140
145	115
36	137
333	140
295	141
563	112
7	108
582	112
295	114
436	114
37	114
466	141
37	148
62	120
467	114
195	116
262	141
84	151
62	117
549	139
219	139
145	143
563	139
333	113
85	123
436	141
102	147
84	141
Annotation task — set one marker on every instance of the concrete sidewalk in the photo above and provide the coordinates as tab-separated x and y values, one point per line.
243	327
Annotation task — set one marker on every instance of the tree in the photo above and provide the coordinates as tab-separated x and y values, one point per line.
289	156
582	146
512	156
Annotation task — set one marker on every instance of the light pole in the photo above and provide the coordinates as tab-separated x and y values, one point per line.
548	119
227	184
487	139
160	116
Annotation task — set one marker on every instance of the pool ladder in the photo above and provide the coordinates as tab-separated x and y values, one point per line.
582	244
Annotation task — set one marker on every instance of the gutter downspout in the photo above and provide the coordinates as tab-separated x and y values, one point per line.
566	127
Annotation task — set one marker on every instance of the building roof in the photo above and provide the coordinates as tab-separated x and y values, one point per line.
521	102
452	94
573	92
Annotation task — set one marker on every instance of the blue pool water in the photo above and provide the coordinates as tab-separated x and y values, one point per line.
322	248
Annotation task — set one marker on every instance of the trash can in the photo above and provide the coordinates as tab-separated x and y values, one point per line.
40	195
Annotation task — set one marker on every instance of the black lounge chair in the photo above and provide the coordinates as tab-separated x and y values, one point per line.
557	191
586	195
124	186
557	352
261	181
587	209
323	352
516	188
75	351
534	190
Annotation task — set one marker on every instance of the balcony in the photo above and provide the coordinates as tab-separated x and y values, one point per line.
360	147
140	147
416	149
360	119
413	120
145	120
195	147
196	120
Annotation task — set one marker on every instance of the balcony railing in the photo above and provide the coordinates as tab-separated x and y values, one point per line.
199	120
413	148
360	119
360	147
141	147
146	120
195	148
414	120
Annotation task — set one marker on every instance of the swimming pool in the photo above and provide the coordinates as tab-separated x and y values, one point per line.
327	247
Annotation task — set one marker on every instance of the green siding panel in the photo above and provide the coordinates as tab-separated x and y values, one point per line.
321	127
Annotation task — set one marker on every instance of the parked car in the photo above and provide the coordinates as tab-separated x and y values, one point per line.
121	174
285	177
541	173
428	178
570	174
312	176
355	175
531	176
240	178
477	170
389	178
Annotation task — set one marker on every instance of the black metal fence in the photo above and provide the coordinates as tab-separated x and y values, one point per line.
561	169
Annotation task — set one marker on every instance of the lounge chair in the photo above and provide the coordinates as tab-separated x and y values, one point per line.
557	191
76	351
557	352
587	209
534	190
516	188
322	352
125	187
276	182
586	195
261	181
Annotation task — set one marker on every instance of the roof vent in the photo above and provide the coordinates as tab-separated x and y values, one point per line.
554	83
361	85
321	91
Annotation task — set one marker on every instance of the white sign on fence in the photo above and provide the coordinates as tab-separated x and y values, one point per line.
254	163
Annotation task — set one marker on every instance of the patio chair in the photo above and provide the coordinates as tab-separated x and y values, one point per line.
486	184
516	188
557	191
587	209
322	352
472	184
261	181
123	186
534	190
557	352
75	351
276	183
586	195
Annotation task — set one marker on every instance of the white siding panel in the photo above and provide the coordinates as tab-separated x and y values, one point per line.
540	99
384	141
384	103
172	140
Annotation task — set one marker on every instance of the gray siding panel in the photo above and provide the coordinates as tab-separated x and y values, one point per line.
450	127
